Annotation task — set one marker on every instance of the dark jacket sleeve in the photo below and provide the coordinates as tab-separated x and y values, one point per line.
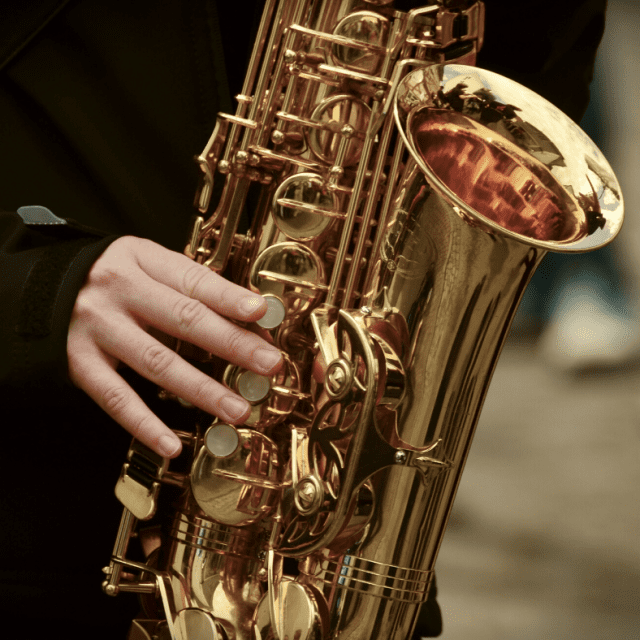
43	266
100	117
548	45
60	452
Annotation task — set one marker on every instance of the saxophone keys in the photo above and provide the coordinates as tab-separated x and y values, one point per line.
197	623
428	466
289	609
303	208
272	398
297	612
291	273
274	315
221	440
253	387
363	27
139	482
235	478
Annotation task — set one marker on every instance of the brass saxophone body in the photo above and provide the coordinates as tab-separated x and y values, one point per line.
404	199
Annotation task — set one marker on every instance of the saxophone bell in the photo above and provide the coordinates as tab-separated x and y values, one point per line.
508	159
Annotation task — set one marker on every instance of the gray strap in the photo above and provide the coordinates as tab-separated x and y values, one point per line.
36	214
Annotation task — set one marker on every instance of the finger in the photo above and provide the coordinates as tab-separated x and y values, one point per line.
192	321
152	360
197	281
91	371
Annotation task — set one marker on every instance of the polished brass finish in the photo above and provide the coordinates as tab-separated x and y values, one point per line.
240	487
405	199
508	158
139	482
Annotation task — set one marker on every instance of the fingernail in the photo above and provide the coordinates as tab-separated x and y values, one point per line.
267	359
234	407
168	445
249	305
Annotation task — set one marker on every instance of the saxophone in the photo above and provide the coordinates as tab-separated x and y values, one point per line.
402	200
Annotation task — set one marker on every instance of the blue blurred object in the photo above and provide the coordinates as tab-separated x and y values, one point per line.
597	274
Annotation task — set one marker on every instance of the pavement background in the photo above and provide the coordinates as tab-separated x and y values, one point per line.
543	541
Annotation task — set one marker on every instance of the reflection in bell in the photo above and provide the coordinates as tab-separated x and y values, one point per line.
494	178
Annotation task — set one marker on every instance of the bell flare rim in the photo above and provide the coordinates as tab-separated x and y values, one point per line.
595	226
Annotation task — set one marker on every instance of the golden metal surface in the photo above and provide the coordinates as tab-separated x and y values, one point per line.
508	158
139	482
406	198
197	623
241	487
214	567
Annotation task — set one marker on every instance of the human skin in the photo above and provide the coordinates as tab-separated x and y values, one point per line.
136	288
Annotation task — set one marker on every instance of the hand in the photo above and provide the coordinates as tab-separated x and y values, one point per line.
135	285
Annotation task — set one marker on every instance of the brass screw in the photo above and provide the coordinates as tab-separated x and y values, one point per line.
400	457
306	494
277	137
242	157
347	131
336	379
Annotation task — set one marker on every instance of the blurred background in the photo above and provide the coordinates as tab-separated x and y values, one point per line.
544	540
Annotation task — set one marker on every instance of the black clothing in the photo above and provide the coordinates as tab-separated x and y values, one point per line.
102	106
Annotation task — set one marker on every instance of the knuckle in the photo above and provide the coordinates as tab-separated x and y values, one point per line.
156	359
105	272
109	282
116	266
116	400
193	278
203	390
189	312
141	427
85	307
227	299
237	343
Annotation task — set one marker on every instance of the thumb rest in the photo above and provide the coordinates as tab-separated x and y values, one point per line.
404	200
